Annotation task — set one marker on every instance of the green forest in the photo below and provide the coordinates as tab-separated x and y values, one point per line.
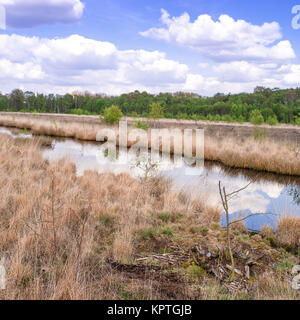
264	105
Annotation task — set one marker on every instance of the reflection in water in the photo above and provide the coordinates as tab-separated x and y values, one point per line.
267	194
16	133
295	193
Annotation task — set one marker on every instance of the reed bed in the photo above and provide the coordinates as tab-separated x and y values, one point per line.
250	153
261	155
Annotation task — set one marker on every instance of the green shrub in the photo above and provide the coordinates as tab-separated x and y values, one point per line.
145	115
227	118
140	125
157	111
217	117
256	117
183	116
241	119
112	114
195	117
133	114
79	112
272	120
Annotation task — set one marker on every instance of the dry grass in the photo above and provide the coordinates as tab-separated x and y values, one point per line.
267	287
259	154
267	232
262	155
61	235
288	231
57	230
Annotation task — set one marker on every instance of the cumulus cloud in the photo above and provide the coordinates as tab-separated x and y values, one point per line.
31	13
225	39
63	65
17	71
79	63
244	55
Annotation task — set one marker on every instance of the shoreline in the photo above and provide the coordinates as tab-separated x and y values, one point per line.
243	150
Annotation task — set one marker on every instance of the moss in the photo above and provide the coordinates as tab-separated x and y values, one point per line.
195	272
164	251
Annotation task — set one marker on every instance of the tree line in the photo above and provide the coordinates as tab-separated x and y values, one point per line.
263	105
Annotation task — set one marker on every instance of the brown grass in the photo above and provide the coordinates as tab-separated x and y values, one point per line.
288	231
261	155
62	236
249	153
267	232
58	230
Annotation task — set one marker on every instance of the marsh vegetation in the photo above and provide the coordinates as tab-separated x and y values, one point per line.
101	236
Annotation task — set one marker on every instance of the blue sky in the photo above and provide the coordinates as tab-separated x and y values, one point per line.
117	46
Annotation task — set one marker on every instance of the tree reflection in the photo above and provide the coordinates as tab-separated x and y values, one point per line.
295	193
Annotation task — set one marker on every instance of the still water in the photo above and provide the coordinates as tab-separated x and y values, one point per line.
269	194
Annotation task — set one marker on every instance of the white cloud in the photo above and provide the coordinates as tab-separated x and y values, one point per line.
79	63
30	13
244	55
225	39
27	71
240	71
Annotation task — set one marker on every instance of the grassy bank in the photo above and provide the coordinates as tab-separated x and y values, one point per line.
254	152
102	236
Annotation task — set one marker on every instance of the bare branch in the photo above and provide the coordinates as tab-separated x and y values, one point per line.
238	191
251	215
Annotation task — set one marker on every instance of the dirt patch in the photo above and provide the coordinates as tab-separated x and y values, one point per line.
170	285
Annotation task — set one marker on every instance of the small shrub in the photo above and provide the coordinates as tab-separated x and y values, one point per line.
272	120
133	114
240	119
157	111
140	125
112	114
195	117
256	117
227	118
